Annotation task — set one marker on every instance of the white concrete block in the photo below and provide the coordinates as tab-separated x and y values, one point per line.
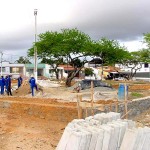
89	118
145	144
113	145
131	124
107	135
64	139
114	115
100	138
74	141
129	139
123	126
140	140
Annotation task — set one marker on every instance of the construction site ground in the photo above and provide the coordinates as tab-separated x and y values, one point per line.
37	123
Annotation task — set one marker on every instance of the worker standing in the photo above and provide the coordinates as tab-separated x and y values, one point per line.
19	81
8	82
2	81
33	85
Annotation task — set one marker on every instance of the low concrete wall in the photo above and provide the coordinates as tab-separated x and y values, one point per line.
68	113
137	106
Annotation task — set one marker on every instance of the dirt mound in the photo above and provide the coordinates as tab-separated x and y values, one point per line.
25	90
22	91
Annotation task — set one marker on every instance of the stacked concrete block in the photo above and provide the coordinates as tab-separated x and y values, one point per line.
136	139
103	132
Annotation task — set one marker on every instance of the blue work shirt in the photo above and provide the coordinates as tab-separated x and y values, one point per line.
8	81
2	81
32	82
20	80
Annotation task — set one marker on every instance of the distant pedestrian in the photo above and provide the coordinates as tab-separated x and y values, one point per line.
2	83
8	82
19	81
33	85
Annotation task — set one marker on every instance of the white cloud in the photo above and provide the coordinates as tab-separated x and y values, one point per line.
134	45
125	21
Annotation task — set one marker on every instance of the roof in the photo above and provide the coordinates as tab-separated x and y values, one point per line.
67	67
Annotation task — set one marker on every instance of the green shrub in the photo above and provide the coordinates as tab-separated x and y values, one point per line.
135	94
88	71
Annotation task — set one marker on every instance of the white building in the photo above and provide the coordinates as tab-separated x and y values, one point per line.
7	68
12	69
142	72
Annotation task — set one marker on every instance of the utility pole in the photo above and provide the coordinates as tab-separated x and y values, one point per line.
1	64
35	48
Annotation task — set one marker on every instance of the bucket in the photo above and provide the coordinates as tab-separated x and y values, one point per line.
121	92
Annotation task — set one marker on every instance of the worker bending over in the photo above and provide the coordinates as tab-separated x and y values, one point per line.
33	85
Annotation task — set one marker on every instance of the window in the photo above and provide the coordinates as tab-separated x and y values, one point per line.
3	69
146	65
14	70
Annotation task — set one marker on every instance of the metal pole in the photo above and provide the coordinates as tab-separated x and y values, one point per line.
35	48
1	64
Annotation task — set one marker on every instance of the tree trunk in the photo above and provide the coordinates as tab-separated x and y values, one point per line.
71	75
57	74
68	82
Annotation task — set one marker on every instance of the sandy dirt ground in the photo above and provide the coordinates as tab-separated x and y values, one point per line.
22	131
28	132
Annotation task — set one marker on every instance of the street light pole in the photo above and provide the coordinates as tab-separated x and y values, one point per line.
35	48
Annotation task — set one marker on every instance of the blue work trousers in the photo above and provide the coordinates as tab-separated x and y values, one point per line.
32	89
2	89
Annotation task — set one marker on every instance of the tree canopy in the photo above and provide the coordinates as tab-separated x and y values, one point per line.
23	60
109	51
72	46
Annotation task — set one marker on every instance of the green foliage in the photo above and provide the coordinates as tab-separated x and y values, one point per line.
23	60
136	95
109	51
147	39
72	46
68	44
88	71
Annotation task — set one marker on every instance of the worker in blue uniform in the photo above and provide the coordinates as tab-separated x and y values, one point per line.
19	81
8	82
33	85
2	82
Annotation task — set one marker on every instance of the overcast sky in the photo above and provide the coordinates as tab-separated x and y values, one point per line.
123	20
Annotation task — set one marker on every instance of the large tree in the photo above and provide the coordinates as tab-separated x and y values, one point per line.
135	60
109	51
68	46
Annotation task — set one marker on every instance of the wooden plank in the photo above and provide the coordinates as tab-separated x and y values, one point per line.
92	93
126	103
78	106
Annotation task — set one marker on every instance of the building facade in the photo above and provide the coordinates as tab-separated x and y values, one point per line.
15	70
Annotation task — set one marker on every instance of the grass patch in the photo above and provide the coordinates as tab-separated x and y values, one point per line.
137	95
